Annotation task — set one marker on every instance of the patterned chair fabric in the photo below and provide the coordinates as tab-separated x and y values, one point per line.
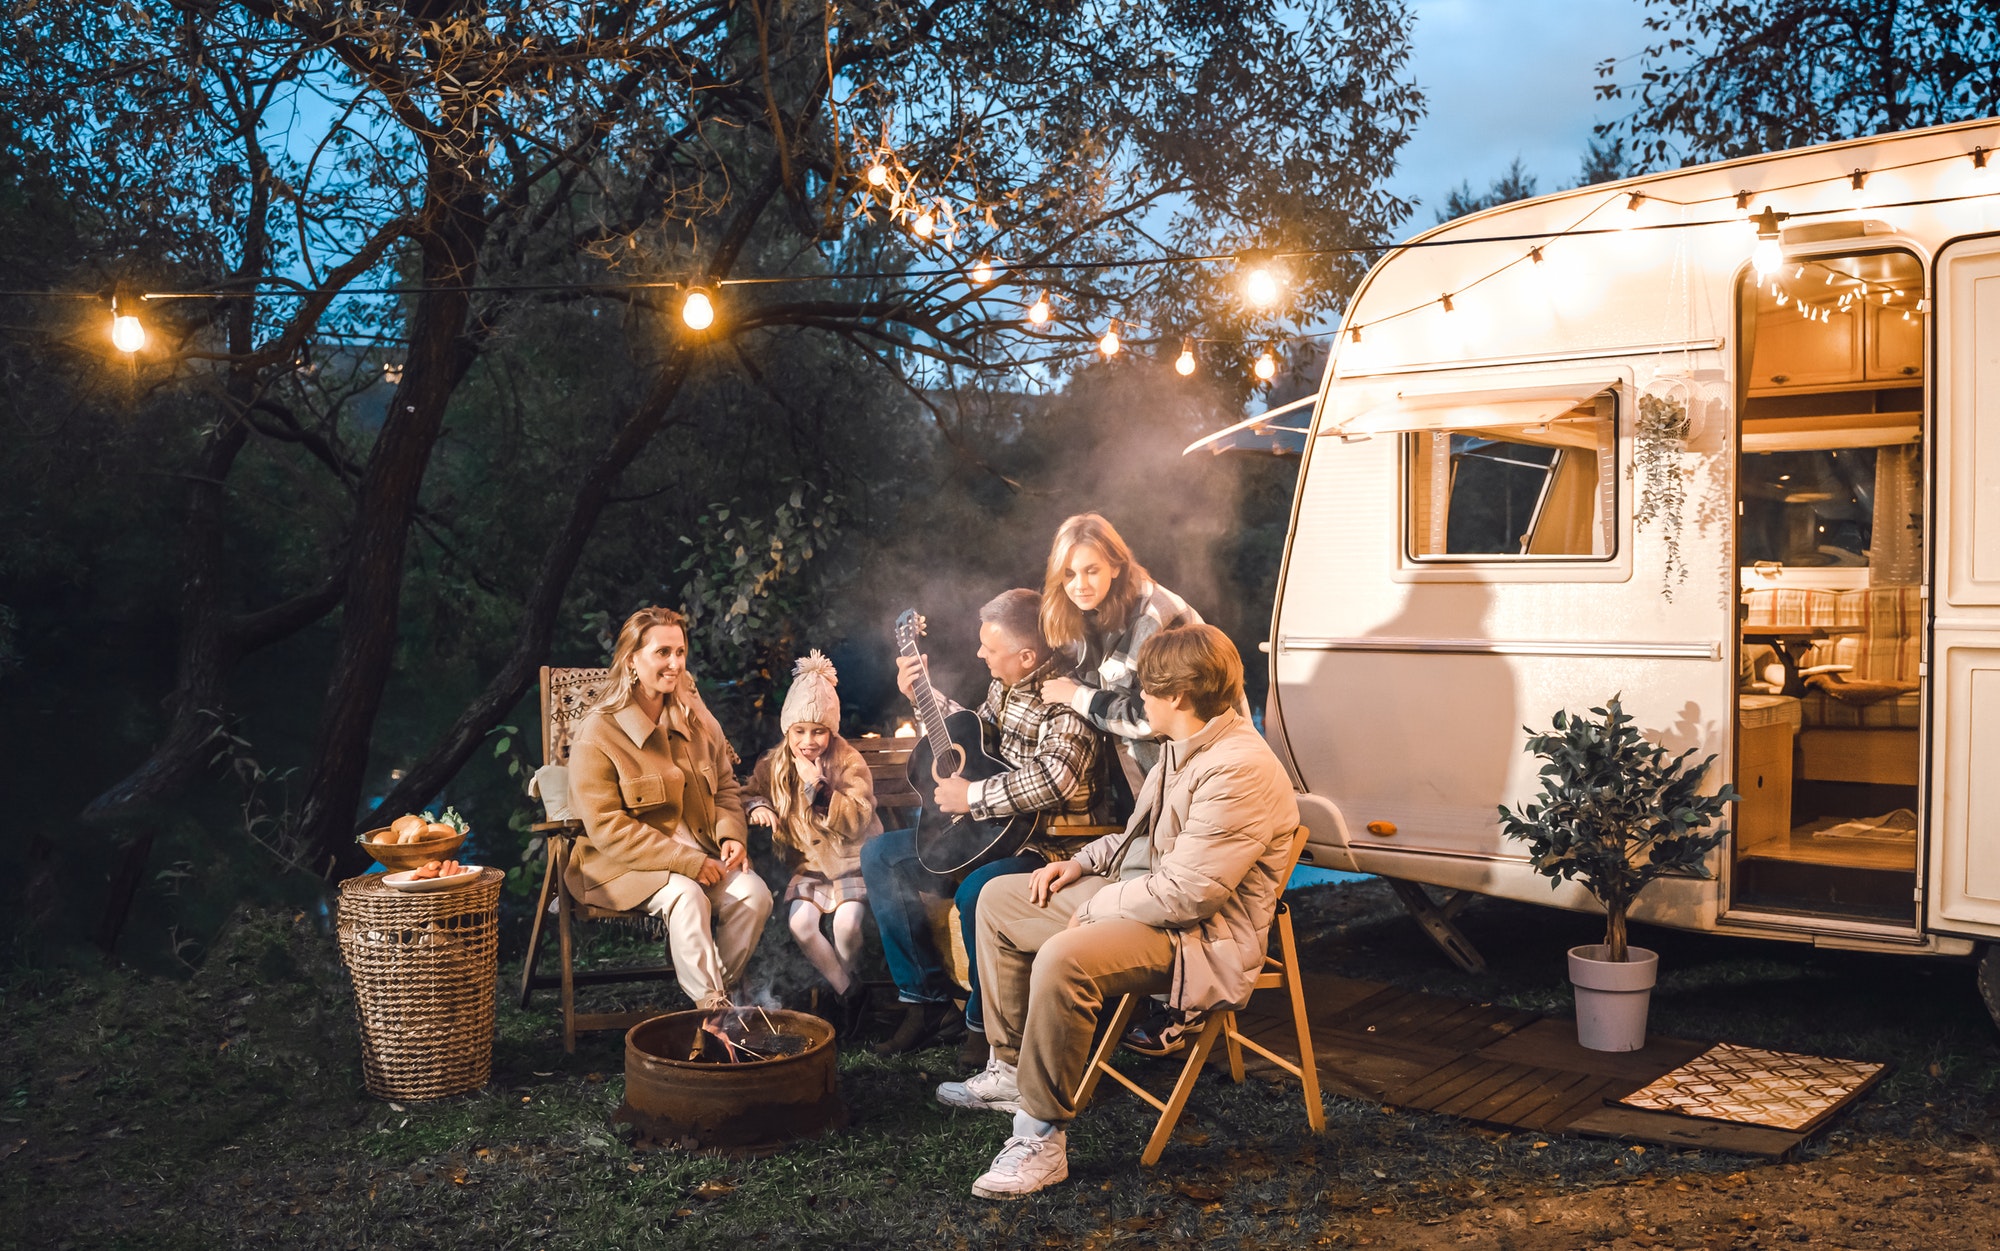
1887	649
572	693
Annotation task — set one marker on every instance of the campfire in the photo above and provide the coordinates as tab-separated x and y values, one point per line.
742	1036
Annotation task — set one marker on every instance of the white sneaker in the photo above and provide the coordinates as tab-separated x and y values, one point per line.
993	1088
1026	1164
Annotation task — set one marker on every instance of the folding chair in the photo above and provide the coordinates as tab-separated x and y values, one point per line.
567	695
1281	972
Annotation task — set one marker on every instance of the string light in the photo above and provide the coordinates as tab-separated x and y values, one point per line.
1038	312
1535	255
128	335
1979	158
1354	333
1445	300
878	174
1184	363
925	225
1769	252
1266	367
1109	344
1632	205
1858	179
1260	287
1742	200
982	271
698	311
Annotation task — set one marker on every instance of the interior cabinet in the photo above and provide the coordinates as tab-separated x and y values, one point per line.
1794	352
1895	343
1764	769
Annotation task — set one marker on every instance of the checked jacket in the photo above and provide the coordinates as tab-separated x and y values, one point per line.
1051	748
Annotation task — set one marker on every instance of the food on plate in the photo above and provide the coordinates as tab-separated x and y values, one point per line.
439	868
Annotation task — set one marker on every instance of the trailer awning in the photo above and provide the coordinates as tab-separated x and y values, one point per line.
1262	433
1468	410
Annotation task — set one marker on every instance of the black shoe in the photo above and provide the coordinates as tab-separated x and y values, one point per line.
1166	1035
974	1051
920	1024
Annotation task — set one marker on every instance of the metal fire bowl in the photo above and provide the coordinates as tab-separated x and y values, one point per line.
747	1109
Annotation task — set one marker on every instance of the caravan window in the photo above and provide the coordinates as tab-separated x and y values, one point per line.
1543	489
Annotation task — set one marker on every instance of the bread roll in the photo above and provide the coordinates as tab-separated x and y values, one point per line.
405	828
438	829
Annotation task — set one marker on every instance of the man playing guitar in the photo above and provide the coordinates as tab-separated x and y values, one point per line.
1053	756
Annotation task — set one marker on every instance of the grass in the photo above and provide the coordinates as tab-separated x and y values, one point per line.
227	1110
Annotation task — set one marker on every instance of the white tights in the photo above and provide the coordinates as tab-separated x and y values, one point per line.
839	960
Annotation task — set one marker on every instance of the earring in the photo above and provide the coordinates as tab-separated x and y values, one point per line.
635	676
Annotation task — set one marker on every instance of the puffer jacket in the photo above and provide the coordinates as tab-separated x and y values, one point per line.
1220	814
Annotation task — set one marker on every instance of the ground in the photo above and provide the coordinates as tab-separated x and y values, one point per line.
226	1110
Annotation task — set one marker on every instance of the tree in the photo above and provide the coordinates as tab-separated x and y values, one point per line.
1516	183
1727	79
1603	161
431	173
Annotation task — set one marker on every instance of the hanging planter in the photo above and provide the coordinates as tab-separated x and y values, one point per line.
1660	440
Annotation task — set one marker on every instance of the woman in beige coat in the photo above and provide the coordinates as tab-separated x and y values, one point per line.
815	794
651	777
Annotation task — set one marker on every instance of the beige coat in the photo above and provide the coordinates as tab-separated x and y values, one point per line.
829	848
1221	814
636	786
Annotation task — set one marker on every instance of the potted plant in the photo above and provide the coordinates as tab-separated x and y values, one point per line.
1615	812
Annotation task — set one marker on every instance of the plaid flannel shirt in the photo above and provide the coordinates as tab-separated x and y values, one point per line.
1052	748
1109	692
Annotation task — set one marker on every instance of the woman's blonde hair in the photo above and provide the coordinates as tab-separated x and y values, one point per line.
631	637
1062	620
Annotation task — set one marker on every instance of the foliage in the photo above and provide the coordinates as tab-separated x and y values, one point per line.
1516	183
1727	79
1616	812
1658	443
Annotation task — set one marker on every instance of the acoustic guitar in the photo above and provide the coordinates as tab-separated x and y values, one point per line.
957	744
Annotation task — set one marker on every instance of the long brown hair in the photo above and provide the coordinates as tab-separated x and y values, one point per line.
631	637
1062	620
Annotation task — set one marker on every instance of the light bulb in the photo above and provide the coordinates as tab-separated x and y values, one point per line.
698	311
982	271
1766	257
1266	367
127	335
1109	344
878	174
1260	287
1038	312
1184	363
925	225
1445	300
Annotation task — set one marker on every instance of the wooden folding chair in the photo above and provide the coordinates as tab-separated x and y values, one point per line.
1281	972
567	695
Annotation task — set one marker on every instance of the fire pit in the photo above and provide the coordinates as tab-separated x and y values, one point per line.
772	1081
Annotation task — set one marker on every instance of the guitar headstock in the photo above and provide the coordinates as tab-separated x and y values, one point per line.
909	628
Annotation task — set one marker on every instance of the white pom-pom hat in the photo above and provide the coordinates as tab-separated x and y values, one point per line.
812	696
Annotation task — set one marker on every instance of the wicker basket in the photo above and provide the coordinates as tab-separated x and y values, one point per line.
424	969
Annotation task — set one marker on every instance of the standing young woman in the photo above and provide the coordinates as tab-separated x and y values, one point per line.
651	776
1098	606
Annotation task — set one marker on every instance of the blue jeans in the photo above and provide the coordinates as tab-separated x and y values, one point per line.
967	900
897	883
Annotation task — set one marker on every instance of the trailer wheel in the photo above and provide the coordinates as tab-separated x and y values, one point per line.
1989	980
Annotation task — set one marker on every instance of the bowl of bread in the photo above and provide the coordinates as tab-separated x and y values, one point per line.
413	841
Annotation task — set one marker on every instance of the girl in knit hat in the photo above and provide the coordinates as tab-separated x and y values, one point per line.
814	793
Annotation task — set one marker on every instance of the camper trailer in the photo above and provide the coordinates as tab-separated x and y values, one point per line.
1725	441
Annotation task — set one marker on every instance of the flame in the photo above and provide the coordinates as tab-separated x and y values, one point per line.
905	730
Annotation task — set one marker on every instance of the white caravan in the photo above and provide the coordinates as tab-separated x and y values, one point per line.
1497	518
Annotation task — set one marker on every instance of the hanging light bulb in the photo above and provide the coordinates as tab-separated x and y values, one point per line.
1354	333
1109	344
1445	300
1769	253
1184	363
127	334
925	225
1979	156
1637	199
1038	312
1260	287
982	271
1266	367
698	311
1535	255
878	174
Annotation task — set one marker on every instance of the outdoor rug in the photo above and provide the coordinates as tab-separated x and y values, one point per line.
1750	1086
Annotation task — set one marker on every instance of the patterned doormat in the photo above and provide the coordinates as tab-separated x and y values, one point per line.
1750	1086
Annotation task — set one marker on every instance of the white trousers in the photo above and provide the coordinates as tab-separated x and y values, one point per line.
711	931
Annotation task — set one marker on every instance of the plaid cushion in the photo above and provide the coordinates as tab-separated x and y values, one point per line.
1890	617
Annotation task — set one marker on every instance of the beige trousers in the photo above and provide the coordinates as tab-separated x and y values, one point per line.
711	930
1043	983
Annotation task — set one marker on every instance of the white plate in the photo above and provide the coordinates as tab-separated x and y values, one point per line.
407	880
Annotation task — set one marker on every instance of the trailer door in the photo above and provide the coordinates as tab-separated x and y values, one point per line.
1964	727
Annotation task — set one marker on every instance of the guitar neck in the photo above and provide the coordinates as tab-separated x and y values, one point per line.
929	715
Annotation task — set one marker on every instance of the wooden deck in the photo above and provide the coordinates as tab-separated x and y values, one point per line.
1494	1065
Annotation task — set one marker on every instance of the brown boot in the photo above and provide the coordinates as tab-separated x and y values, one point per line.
974	1051
920	1024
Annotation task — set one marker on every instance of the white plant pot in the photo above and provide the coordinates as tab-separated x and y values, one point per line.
1612	997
